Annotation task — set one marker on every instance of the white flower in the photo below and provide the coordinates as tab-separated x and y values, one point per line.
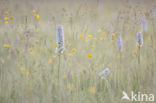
119	43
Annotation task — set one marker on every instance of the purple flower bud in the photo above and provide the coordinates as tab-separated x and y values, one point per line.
139	39
144	23
60	39
119	43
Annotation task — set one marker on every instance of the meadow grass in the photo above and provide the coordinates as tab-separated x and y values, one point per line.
29	63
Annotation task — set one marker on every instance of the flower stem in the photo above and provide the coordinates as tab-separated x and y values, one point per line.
59	66
139	56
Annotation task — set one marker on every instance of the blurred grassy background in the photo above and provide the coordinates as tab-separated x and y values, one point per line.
29	64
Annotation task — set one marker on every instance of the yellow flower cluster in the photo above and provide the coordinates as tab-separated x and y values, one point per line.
50	59
6	18
35	14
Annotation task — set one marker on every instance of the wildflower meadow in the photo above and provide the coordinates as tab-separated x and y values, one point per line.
77	51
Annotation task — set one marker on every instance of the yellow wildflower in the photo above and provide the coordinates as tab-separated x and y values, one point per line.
100	38
95	39
49	60
56	45
6	46
134	52
89	36
34	11
6	18
37	16
27	74
69	54
99	30
36	30
81	35
11	17
104	33
89	55
73	50
6	22
22	69
92	90
92	46
113	40
6	13
137	45
54	56
113	35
